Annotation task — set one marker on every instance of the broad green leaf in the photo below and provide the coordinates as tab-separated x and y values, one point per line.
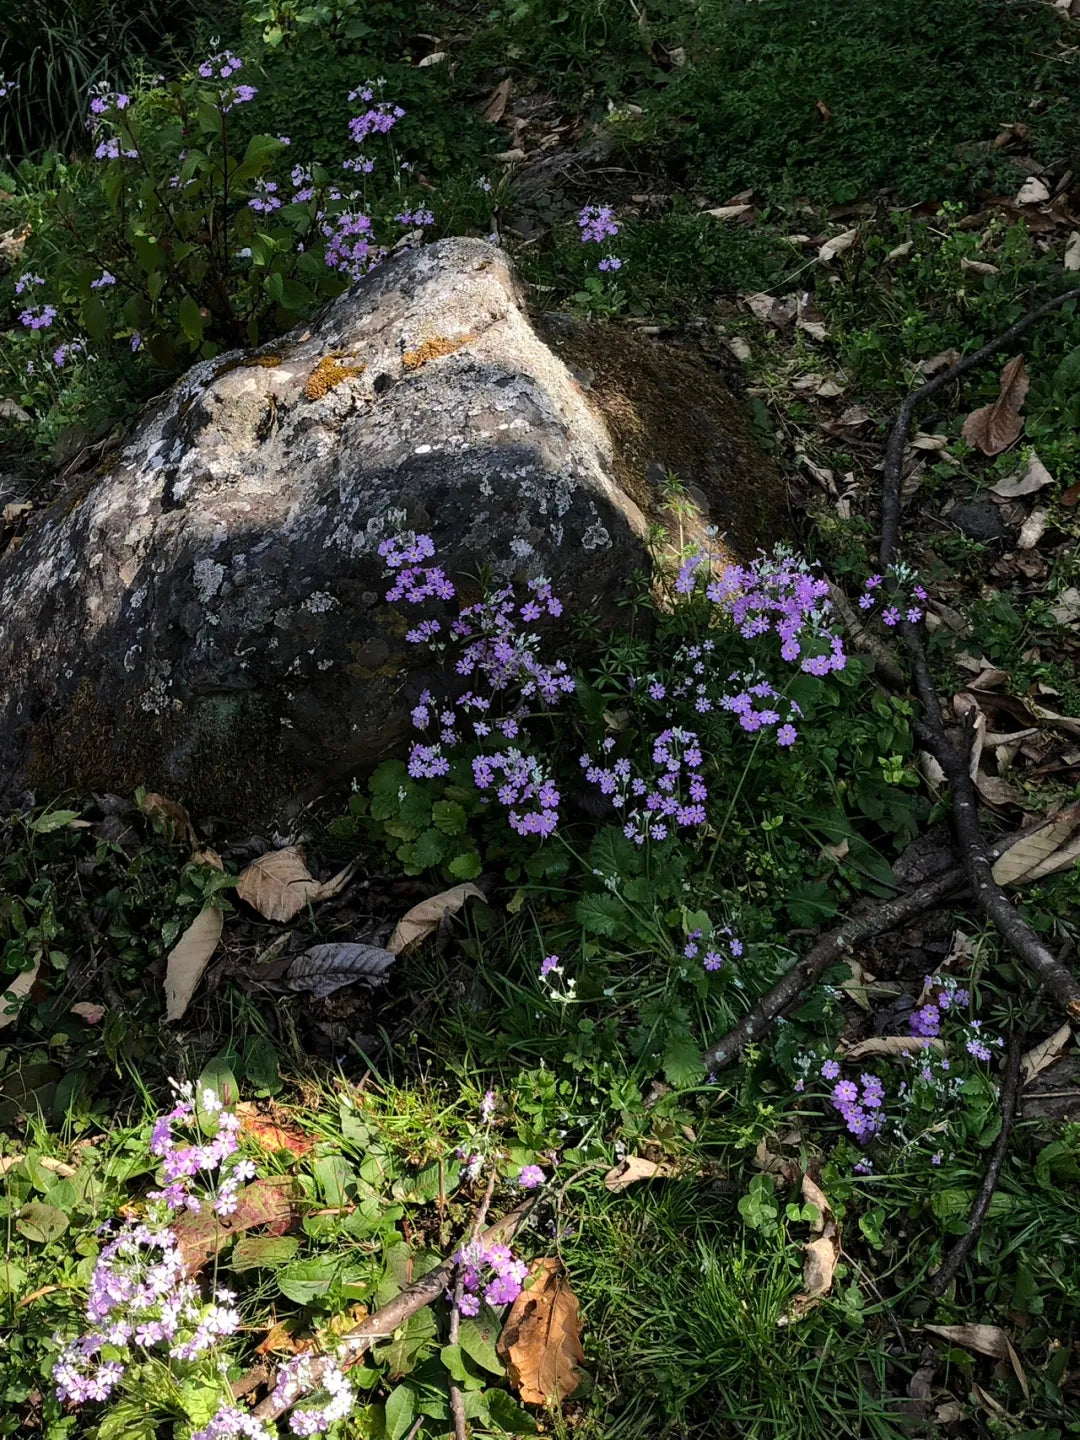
191	321
260	151
53	820
95	318
41	1223
508	1415
12	1277
261	1065
449	817
400	1411
218	1077
477	1338
333	1175
305	1280
252	1251
467	866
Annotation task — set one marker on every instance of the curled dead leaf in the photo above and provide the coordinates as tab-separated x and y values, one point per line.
1033	850
634	1168
993	428
268	1134
822	1252
1072	252
943	360
1040	1057
17	990
837	245
1032	192
88	1011
989	1340
496	103
728	212
541	1340
424	919
890	1045
1033	477
978	267
188	960
279	885
170	816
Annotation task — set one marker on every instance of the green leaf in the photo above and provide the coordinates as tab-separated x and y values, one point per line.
53	820
295	296
274	285
508	1415
332	1174
191	320
810	902
95	318
253	1251
208	117
477	1339
261	1065
450	1355
449	817
467	866
260	150
218	1077
421	1189
41	1223
389	777
12	1277
601	915
429	848
682	1061
400	1411
305	1280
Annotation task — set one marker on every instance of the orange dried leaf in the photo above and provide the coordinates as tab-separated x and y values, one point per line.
993	428
541	1340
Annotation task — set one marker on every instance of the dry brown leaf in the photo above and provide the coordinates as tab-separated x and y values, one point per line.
58	1167
837	245
188	960
1033	477
890	1045
978	267
1040	1057
206	856
1072	252
1033	529
435	58
541	1340
8	1162
728	212
171	816
997	792
269	1135
993	428
88	1011
18	988
822	1253
989	1340
944	360
424	918
1033	849
1032	192
770	1164
856	985
899	252
634	1168
278	885
922	441
496	103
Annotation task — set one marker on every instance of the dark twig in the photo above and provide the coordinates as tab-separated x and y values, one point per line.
897	442
1010	1087
988	896
384	1322
828	950
457	1400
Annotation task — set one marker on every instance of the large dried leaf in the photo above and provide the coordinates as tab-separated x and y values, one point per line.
989	1340
634	1168
496	103
891	1045
1032	851
171	816
188	960
423	919
993	428
1032	192
822	1252
1048	1052
541	1340
278	885
326	968
17	989
1025	482
1072	252
269	1203
269	1135
837	245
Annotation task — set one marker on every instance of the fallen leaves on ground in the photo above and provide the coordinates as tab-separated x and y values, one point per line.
634	1168
188	960
989	1340
279	884
1032	855
19	987
1032	192
1040	1057
837	245
170	815
88	1011
1072	252
495	106
1025	482
994	427
541	1341
891	1045
423	919
822	1253
325	968
268	1134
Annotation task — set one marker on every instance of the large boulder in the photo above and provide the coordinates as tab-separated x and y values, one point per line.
208	617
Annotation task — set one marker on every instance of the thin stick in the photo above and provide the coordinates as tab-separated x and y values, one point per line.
1010	1087
829	949
457	1400
381	1326
988	896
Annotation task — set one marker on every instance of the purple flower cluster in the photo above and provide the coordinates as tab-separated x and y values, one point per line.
65	352
859	1111
265	200
723	946
926	1021
780	593
520	781
379	119
655	808
905	596
24	282
492	1268
414	582
37	317
415	217
349	243
139	1297
103	281
531	1176
229	1421
597	224
184	1165
297	1377
977	1044
760	706
224	66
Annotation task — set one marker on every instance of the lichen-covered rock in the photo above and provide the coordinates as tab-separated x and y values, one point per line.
208	618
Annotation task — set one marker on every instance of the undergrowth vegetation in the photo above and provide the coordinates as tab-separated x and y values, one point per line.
634	830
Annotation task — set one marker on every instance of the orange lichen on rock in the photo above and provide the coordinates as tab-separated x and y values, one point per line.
328	373
433	349
263	362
